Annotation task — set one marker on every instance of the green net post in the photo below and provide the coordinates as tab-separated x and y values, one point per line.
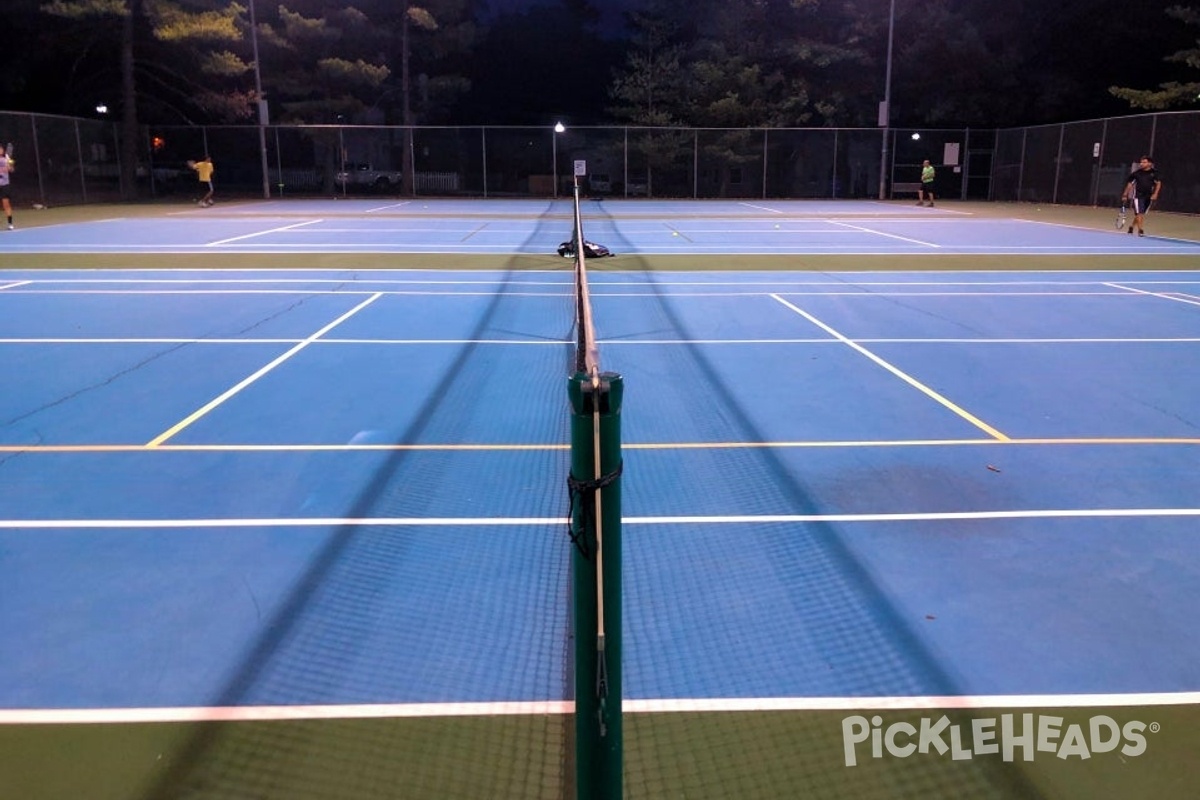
598	730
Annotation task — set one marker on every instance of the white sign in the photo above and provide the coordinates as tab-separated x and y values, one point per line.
950	153
580	168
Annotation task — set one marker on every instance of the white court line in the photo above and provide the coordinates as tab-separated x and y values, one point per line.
602	342
899	373
432	277
501	447
762	208
600	289
162	437
14	285
264	233
904	703
1164	295
385	208
441	248
881	233
100	716
475	522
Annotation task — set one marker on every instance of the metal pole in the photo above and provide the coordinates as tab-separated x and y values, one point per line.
885	110
37	155
1058	161
82	171
834	184
279	161
625	153
764	171
966	162
262	106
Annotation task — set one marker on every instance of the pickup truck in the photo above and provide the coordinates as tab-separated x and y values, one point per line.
364	177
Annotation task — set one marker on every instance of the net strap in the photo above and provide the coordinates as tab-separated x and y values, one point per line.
584	492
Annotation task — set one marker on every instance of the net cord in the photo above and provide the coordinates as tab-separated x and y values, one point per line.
587	361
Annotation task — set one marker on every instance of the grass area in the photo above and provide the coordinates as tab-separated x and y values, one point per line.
699	756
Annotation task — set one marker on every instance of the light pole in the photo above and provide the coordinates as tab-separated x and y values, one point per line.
558	128
262	106
885	108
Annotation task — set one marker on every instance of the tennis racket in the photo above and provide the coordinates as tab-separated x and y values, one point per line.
1123	212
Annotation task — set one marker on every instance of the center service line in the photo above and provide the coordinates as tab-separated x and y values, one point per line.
971	418
162	437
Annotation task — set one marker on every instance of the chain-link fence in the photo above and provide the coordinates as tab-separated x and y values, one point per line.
1086	163
67	160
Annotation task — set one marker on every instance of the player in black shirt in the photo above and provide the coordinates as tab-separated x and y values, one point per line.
1142	187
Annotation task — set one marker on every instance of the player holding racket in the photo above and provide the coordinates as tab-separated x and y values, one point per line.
1142	187
6	167
204	172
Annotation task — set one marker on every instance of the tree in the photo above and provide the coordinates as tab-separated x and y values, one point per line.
322	62
186	32
1171	93
417	24
737	66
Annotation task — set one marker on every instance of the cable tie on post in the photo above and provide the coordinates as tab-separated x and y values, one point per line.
584	492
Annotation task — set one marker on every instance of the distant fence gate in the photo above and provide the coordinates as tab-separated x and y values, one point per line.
67	160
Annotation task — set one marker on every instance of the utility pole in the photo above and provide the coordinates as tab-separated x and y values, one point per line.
262	106
885	108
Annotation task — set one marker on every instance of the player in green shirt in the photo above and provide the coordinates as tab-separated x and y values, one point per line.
927	175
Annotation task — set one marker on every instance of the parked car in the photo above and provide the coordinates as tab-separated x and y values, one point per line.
358	176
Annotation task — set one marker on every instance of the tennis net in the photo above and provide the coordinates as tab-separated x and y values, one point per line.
594	483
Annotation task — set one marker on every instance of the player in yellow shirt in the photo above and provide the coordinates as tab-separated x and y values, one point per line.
204	171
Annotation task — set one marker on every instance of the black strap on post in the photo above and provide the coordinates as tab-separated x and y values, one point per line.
585	493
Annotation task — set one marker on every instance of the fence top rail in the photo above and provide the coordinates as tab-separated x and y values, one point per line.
61	117
675	129
1175	113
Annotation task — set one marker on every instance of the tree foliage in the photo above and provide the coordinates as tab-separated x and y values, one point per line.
778	63
1170	93
720	64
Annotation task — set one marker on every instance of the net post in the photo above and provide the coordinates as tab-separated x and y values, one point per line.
599	739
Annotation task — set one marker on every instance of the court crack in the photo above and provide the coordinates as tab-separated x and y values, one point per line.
282	311
99	385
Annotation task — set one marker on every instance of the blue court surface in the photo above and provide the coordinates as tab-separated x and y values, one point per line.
537	226
320	488
335	493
